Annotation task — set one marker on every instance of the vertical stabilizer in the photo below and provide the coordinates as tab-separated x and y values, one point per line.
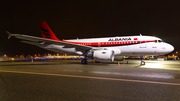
46	31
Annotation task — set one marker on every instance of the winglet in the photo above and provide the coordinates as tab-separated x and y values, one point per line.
9	34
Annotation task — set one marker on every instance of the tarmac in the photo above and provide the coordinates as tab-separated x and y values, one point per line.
68	80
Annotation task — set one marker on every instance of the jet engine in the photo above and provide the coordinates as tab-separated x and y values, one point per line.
104	55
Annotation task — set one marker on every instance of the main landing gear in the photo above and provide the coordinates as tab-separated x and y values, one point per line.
84	61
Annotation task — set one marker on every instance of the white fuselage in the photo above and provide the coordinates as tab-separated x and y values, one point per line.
128	45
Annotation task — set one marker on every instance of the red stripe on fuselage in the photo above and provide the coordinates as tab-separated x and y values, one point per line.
106	43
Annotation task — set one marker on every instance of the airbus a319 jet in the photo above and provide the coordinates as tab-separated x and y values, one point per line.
105	49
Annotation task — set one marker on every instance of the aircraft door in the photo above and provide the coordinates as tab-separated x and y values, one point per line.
143	42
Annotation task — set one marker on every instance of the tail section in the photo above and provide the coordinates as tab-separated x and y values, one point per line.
47	32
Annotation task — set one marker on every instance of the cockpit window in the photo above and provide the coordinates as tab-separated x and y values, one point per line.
158	41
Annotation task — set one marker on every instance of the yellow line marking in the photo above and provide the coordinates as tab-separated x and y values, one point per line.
91	77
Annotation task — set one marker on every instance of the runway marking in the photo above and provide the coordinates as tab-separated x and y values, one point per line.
91	77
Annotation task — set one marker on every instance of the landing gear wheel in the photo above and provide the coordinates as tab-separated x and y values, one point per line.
142	63
84	61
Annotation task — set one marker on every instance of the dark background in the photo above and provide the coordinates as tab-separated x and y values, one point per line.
87	19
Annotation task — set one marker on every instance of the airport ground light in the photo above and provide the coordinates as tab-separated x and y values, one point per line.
173	56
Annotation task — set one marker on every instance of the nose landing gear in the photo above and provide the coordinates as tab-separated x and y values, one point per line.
142	62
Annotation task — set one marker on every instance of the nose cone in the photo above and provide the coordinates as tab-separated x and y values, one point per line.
169	48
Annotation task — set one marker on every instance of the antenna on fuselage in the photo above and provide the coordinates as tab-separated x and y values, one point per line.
140	34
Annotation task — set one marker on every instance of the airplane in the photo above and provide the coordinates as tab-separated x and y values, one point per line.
105	49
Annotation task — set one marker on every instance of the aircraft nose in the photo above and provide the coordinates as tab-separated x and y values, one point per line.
170	48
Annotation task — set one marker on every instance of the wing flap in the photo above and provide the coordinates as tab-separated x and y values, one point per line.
32	43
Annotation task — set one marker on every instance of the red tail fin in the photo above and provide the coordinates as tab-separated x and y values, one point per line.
47	32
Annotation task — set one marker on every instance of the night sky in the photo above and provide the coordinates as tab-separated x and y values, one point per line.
87	19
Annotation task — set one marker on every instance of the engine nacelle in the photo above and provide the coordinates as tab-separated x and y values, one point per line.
104	55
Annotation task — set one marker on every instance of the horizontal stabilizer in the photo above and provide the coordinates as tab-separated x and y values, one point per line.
9	34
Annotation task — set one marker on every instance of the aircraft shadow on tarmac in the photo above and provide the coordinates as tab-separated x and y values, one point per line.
137	66
60	62
93	63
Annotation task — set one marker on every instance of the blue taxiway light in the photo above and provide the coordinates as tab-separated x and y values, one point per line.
83	58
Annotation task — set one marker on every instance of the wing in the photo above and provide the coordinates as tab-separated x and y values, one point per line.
39	41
